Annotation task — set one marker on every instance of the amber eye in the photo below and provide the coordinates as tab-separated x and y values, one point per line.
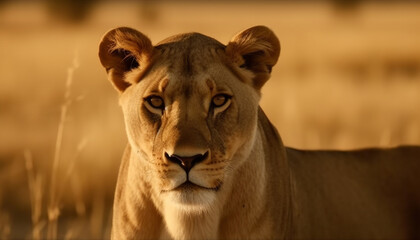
155	102
220	100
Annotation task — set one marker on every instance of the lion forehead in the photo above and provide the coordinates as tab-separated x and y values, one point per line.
189	54
186	40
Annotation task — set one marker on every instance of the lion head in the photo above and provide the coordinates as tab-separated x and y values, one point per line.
190	106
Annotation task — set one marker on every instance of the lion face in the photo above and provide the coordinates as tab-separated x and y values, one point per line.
189	127
190	106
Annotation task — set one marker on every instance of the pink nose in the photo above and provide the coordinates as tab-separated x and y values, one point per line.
187	162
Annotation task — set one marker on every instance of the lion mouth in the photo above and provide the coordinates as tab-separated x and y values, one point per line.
188	186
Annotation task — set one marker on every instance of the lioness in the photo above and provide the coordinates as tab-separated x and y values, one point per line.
204	162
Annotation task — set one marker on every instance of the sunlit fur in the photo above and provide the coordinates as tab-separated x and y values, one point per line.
249	186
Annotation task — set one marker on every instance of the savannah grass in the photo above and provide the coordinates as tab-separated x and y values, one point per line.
53	208
37	188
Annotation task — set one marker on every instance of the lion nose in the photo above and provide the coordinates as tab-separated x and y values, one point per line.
186	162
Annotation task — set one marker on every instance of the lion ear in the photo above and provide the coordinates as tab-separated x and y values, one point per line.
121	50
257	50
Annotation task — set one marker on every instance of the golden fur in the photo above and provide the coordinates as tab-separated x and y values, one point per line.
204	162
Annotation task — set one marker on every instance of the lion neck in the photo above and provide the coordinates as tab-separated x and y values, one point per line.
181	224
263	178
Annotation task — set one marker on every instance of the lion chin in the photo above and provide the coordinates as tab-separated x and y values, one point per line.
189	196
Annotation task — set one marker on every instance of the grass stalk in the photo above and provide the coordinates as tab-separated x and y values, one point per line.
35	194
53	210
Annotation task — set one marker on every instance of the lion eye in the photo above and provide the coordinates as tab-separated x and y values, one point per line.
220	100
155	102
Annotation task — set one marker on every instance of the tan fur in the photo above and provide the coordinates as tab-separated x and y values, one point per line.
246	185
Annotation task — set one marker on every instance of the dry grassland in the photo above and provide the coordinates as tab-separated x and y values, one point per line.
345	79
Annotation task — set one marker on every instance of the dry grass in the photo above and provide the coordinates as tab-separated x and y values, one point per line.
344	80
54	197
36	194
45	225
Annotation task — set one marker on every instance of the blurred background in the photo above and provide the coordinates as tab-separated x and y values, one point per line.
348	77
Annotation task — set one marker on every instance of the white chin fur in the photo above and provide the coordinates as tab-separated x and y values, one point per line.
198	200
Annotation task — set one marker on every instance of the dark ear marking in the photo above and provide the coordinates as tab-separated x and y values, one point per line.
251	59
128	59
